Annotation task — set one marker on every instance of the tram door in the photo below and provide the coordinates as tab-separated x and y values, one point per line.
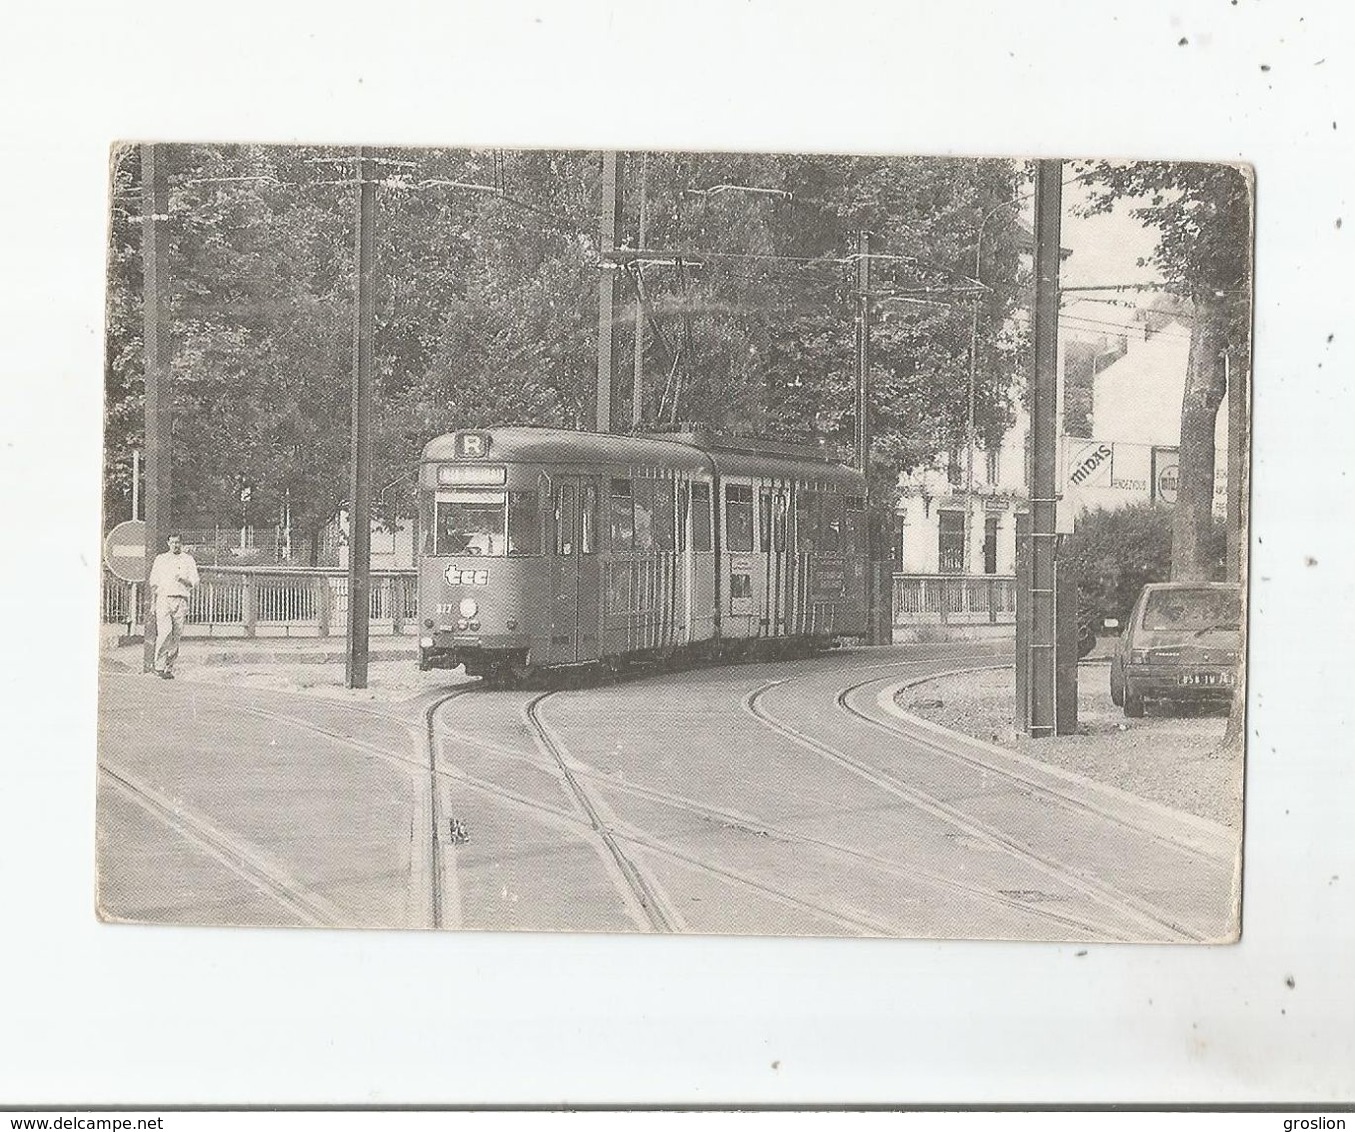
575	571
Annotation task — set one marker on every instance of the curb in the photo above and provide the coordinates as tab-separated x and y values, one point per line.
1197	833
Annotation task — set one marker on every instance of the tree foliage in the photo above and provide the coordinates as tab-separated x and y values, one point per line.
1203	215
487	307
1115	553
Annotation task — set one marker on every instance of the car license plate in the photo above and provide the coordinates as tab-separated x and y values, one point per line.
1208	679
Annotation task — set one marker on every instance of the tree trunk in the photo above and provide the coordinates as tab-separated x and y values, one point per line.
1239	509
1204	392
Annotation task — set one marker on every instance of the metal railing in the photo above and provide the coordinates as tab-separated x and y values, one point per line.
954	599
246	601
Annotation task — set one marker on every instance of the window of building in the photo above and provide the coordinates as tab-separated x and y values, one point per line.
896	541
990	458
950	542
990	526
738	517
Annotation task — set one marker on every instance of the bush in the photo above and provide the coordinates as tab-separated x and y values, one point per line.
1114	554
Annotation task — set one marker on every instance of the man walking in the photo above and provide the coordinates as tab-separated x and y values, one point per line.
173	576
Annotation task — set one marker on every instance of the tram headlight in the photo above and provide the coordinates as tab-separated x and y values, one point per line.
469	607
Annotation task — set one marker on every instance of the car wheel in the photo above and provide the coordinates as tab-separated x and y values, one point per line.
1116	686
1133	703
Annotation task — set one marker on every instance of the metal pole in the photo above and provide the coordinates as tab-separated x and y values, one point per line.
360	495
637	398
136	483
1044	440
969	440
154	255
863	352
606	291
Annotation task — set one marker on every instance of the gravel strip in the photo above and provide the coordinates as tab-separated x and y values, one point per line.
1176	760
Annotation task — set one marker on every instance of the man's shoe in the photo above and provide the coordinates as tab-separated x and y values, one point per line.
166	676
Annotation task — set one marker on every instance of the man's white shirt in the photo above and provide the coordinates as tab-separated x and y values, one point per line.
173	575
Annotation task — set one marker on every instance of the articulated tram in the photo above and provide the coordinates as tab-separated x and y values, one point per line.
544	548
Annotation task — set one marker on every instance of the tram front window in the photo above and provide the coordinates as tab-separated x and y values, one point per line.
470	522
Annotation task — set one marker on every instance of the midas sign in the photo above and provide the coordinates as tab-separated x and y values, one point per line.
1088	462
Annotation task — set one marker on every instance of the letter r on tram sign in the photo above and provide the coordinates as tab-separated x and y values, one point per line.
472	445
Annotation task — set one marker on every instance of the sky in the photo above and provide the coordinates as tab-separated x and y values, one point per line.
1105	248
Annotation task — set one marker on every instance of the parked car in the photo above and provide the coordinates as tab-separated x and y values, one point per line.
1181	643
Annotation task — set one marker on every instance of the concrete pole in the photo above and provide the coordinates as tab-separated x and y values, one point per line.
607	225
1044	445
154	255
637	398
863	352
360	493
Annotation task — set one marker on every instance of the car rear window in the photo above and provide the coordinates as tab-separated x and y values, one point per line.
1193	610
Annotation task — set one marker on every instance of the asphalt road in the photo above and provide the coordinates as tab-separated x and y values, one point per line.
770	798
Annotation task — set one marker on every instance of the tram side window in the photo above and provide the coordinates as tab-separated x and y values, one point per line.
684	509
524	524
701	516
588	527
830	524
470	522
765	519
621	528
807	522
643	492
856	525
662	513
738	517
564	519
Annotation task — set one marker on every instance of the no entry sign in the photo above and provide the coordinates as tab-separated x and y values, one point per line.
125	550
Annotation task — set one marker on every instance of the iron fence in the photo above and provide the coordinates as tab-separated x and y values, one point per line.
244	601
955	599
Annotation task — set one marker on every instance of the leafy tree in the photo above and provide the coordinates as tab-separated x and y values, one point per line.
1203	216
487	305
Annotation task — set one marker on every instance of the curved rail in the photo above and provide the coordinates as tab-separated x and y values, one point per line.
1145	915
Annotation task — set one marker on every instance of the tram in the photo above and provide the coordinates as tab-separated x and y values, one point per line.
544	548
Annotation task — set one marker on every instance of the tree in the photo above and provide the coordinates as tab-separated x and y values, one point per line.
487	303
1204	220
1203	214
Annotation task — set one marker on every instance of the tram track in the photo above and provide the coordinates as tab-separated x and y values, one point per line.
238	856
641	889
1146	916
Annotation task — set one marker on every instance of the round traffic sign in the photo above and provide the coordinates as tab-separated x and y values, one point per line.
125	550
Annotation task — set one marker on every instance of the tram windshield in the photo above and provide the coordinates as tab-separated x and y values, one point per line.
487	524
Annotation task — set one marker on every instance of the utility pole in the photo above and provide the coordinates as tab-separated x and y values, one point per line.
968	547
1044	440
154	255
863	352
637	399
606	290
360	493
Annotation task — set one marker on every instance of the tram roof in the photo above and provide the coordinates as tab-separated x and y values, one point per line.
521	444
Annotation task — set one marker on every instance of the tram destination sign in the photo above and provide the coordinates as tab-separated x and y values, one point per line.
125	550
